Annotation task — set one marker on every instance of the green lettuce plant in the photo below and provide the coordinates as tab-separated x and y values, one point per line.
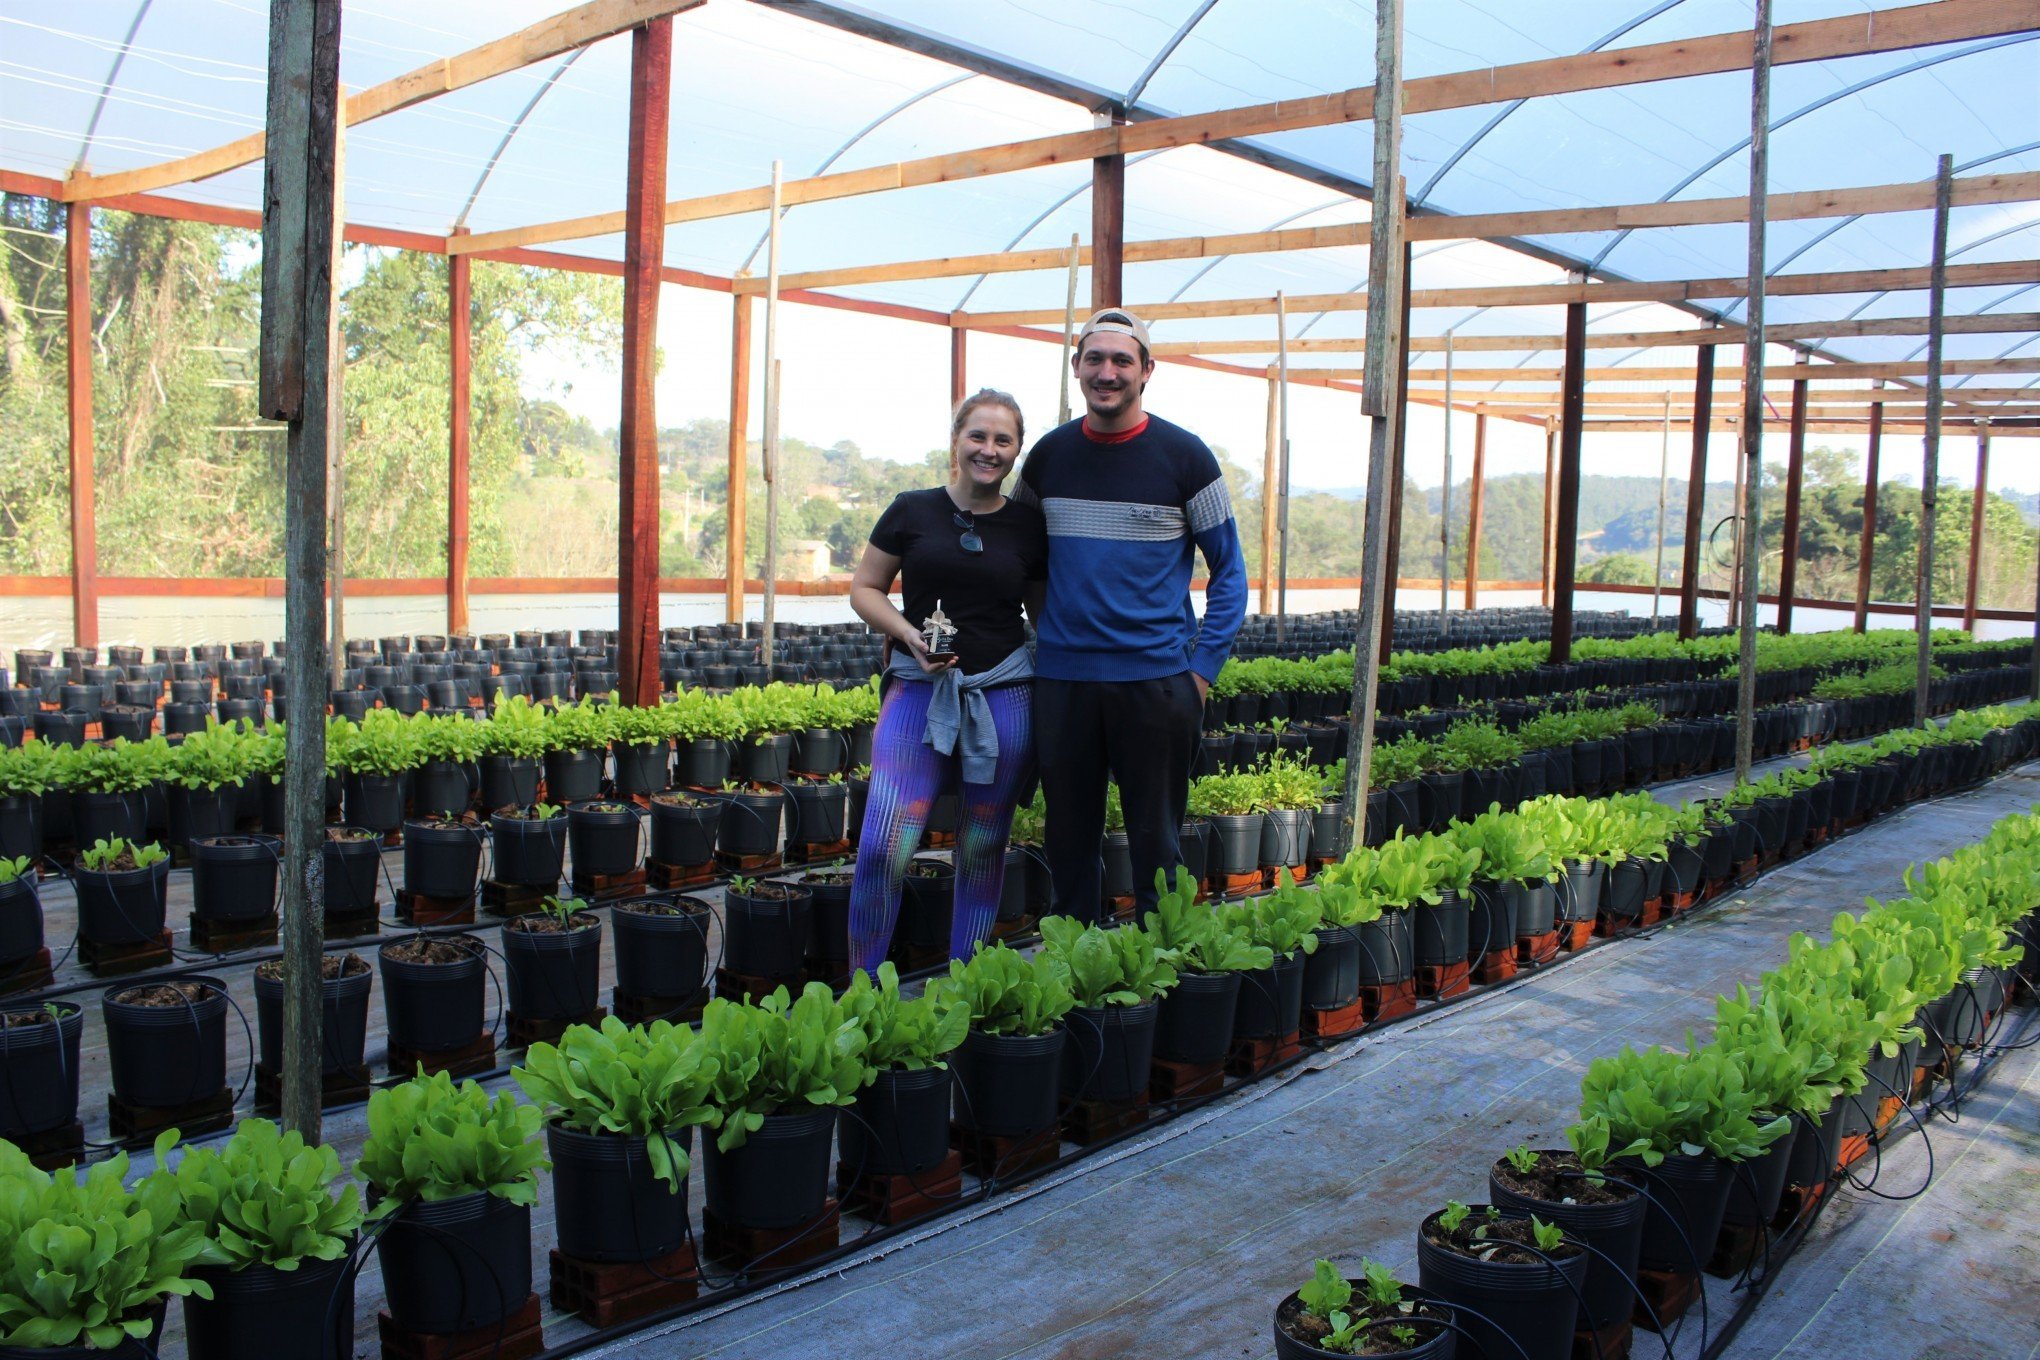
1281	922
17	868
1195	937
779	1055
583	726
643	1081
217	757
1006	992
1659	1103
904	1033
99	857
635	726
516	729
83	1259
263	1198
1107	967
28	770
431	1140
383	743
454	738
117	766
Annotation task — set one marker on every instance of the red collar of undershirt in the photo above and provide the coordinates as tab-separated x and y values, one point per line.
1114	437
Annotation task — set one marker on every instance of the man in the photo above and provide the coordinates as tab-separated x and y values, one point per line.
1122	664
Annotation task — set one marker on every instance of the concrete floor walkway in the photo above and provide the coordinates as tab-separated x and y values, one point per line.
1181	1246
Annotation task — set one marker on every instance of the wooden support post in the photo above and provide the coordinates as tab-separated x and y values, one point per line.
459	307
768	456
1281	469
1550	506
739	457
1696	499
1108	222
1445	504
78	371
300	276
1664	480
1069	336
1396	486
1387	281
1930	473
644	244
1566	532
1749	567
1976	525
1270	493
1476	500
336	435
1795	483
959	367
1867	545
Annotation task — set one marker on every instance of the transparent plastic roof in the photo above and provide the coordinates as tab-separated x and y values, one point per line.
109	85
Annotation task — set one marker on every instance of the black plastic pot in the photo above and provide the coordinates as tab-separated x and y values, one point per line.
610	1205
1235	842
262	1311
442	859
201	812
1196	1020
750	822
1271	999
820	750
39	1073
1816	1146
819	813
765	759
1579	891
454	1265
433	1007
510	781
552	975
1532	1307
766	937
1009	1085
343	1029
1331	973
1613	1230
352	870
374	801
1440	799
1441	931
927	906
444	786
21	923
1441	1345
603	837
1387	949
233	878
108	816
1624	894
899	1125
572	776
1688	1197
1109	1052
662	954
122	908
703	763
683	833
527	852
1491	926
1285	837
778	1178
162	1056
1757	1185
645	768
21	831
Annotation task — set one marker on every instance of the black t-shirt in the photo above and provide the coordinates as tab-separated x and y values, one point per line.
980	592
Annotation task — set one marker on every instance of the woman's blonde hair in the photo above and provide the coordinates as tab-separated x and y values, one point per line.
985	396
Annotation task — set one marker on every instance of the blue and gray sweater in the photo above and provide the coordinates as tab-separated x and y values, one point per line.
1124	514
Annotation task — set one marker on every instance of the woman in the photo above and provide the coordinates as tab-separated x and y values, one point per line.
959	716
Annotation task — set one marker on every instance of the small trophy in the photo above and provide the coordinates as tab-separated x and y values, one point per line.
938	631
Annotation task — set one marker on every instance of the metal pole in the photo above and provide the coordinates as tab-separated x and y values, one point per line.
1565	532
1866	547
1930	475
1972	594
1696	495
1664	484
1753	387
1069	332
769	456
1282	445
1385	286
1445	507
1271	479
1795	481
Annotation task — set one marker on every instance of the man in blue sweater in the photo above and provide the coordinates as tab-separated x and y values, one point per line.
1123	664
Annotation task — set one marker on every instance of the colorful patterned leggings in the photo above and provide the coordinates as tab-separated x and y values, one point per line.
907	776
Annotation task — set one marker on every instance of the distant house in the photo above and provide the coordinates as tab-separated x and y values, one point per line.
807	559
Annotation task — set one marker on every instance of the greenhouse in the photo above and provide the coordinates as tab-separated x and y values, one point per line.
1159	635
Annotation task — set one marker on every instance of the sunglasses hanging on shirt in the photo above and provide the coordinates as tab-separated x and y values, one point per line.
968	540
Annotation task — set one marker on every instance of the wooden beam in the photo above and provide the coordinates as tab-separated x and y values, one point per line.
2014	187
1795	481
78	376
1566	534
1867	545
1992	274
1819	40
959	367
459	323
637	552
1991	323
739	458
1696	502
1108	222
561	33
1976	526
1476	495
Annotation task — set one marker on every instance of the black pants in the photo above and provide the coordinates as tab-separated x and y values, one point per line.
1144	734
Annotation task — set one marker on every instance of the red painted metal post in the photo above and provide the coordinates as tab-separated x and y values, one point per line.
459	308
1795	480
1976	524
1867	548
78	357
1696	495
739	458
1474	506
637	558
